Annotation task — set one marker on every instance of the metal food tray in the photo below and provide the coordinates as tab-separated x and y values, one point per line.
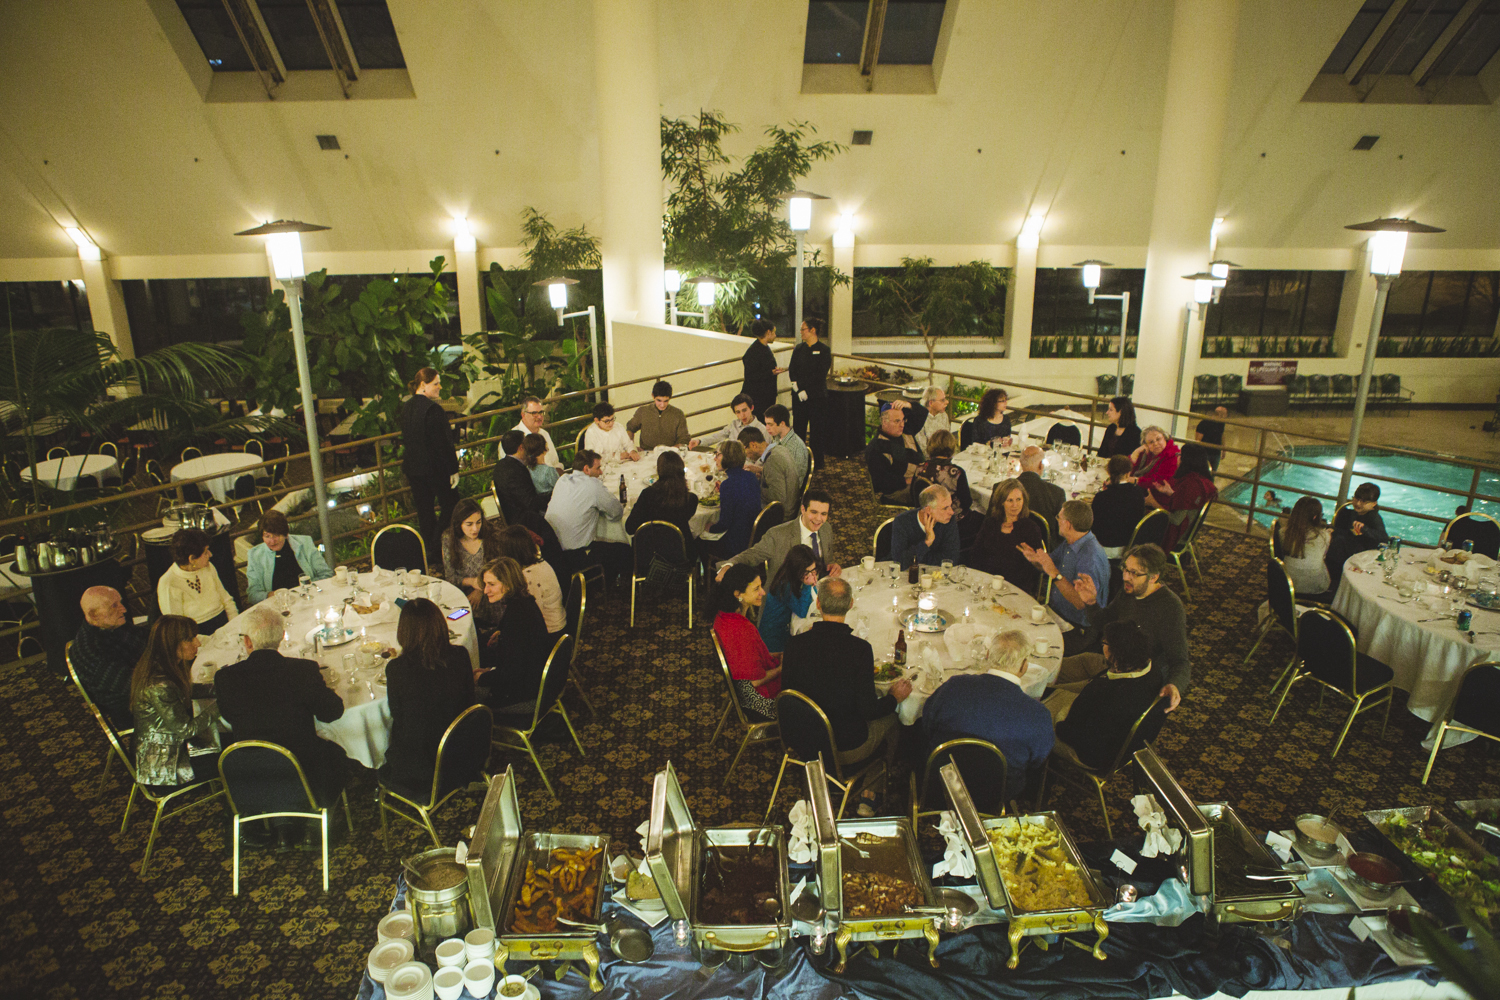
1061	920
1278	901
1409	867
1471	808
572	944
492	849
1198	842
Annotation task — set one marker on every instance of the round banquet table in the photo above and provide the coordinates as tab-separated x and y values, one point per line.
987	467
364	730
1429	657
64	473
226	465
700	475
932	658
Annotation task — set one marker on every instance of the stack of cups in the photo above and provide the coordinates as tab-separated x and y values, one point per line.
448	981
479	950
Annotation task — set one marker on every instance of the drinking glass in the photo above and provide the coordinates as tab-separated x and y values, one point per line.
1404	588
303	582
284	603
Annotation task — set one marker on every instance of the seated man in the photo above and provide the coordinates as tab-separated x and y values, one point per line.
892	458
744	418
609	439
993	707
659	422
533	413
280	558
926	420
579	500
836	669
1356	528
811	528
1079	555
783	465
1044	498
1150	605
1093	723
515	487
928	534
105	653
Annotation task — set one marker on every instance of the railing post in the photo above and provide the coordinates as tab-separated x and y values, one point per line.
1260	457
1473	487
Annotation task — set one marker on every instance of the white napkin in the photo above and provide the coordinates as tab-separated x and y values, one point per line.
1160	838
957	860
362	599
802	847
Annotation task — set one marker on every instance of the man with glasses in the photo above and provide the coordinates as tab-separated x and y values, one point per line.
608	438
927	534
532	416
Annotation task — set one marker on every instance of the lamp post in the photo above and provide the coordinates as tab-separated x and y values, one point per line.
557	296
799	217
284	245
1091	275
708	289
1204	292
1387	248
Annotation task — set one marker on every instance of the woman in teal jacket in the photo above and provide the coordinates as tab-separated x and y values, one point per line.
281	558
791	593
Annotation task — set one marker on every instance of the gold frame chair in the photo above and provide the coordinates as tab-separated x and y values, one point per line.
538	713
1099	778
1136	531
499	514
114	449
184	457
399	527
575	629
756	531
1049	530
1472	515
883	528
689	566
919	797
1354	694
1446	722
1185	545
844	784
755	732
109	754
51	452
322	813
426	809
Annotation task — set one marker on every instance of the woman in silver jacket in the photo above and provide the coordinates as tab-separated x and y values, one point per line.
161	697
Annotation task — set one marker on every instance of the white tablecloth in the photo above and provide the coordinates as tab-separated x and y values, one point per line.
1428	657
229	465
930	656
638	475
364	730
1038	427
987	467
64	473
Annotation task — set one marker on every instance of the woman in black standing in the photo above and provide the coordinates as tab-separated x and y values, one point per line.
760	367
430	461
428	686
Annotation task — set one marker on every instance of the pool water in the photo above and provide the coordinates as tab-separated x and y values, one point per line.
1291	482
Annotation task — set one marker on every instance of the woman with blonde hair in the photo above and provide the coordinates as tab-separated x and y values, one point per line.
161	697
1007	526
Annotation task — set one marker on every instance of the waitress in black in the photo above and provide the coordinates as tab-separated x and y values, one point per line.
760	367
430	461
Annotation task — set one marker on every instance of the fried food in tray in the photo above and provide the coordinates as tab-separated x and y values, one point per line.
876	894
1038	872
737	881
566	887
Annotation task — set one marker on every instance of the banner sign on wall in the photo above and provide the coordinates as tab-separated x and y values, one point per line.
1270	372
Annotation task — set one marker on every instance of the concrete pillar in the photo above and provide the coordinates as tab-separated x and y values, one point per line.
1200	67
841	307
1020	298
630	183
1356	308
107	304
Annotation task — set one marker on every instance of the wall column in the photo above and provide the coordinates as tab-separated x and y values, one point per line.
107	304
1200	67
1356	307
1020	299
841	306
470	304
630	183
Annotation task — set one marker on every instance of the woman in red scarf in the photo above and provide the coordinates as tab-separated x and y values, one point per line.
1155	461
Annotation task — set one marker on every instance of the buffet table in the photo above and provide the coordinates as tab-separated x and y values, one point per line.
364	730
700	474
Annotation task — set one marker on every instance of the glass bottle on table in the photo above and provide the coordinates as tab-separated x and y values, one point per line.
898	656
622	487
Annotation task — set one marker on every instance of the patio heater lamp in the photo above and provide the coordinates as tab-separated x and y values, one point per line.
1387	247
284	246
1092	271
799	217
708	290
557	297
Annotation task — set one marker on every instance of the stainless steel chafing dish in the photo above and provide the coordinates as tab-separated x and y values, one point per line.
879	927
498	855
1200	825
677	852
1026	923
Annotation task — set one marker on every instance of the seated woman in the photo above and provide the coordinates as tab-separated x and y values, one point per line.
428	685
1155	461
739	502
668	499
1122	437
940	470
756	672
468	545
161	698
1118	507
191	585
990	423
543	476
610	440
1191	488
1007	526
513	640
1094	722
1303	539
1357	527
541	579
790	594
280	558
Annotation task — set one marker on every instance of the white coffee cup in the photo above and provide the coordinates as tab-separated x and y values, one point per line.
517	986
448	982
341	574
868	562
452	952
480	944
925	581
479	977
1041	647
1039	614
997	584
413	577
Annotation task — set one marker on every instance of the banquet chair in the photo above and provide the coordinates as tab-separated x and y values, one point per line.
1229	387
1048	537
109	754
154	473
768	518
110	448
548	700
806	734
254	446
1326	655
1205	390
266	781
578	441
1281	595
190	452
1150	529
881	543
58	451
980	763
1481	529
463	756
661	542
1071	769
398	545
1062	433
763	731
1184	547
1341	390
1475	708
573	614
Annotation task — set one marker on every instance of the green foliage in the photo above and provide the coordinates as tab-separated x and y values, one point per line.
1077	346
934	302
1474	970
1267	347
730	222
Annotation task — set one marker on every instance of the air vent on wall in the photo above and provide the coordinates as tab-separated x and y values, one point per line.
862	136
1367	142
328	142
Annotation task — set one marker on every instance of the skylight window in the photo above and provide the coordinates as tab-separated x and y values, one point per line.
1413	52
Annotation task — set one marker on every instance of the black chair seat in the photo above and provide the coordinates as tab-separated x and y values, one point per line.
1372	673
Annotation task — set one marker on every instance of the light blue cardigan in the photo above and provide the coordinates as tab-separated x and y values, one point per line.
260	566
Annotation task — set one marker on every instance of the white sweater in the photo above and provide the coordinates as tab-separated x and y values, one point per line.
176	596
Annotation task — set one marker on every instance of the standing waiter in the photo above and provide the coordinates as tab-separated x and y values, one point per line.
760	367
430	462
811	361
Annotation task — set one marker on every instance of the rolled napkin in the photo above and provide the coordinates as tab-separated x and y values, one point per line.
1161	838
957	860
802	847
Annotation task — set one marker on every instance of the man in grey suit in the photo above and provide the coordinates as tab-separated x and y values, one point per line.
810	528
1045	498
784	463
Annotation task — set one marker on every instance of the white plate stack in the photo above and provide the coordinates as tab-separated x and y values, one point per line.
409	981
387	956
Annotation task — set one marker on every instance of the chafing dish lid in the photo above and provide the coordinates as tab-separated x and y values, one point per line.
1198	836
671	839
985	866
825	828
493	850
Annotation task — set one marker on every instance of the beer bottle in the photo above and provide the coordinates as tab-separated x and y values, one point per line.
899	657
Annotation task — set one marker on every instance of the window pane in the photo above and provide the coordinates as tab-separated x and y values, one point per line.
1444	315
1484	302
43	305
371	34
215	34
835	31
911	32
1321	314
1475	47
1241	303
1283	312
1403	306
1355	37
1412	35
180	310
868	324
295	34
1061	307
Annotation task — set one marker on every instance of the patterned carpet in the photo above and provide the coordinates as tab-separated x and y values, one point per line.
83	922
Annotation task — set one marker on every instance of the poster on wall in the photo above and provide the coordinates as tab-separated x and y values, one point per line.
1270	372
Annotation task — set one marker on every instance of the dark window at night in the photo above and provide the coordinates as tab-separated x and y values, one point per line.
182	310
371	34
1061	307
216	36
911	32
867	324
46	305
1442	304
295	34
1276	304
835	31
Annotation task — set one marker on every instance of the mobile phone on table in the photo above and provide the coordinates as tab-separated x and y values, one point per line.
457	613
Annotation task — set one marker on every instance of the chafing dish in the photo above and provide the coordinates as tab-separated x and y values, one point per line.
893	854
1462	882
680	856
1026	922
1483	813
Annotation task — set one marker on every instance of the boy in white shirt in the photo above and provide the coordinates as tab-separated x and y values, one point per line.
611	441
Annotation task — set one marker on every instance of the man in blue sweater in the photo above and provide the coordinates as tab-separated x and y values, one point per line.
993	707
928	533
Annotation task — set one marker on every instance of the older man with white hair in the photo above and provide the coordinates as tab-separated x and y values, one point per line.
926	420
105	653
1045	498
927	534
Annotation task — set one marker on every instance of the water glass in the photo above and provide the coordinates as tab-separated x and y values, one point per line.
1404	588
303	582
